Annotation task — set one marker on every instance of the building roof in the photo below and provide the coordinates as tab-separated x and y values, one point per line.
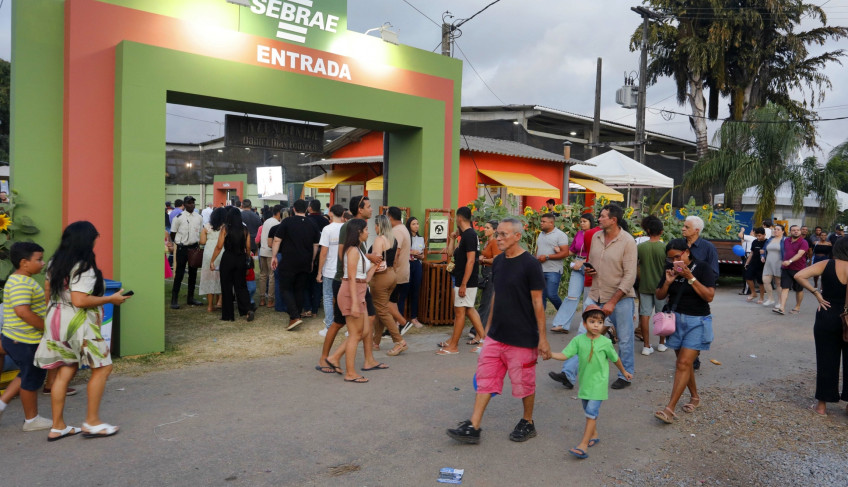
474	144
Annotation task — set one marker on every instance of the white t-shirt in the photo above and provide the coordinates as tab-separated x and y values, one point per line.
748	240
768	233
265	249
330	239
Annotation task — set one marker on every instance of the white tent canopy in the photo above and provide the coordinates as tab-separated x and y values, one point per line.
783	197
619	171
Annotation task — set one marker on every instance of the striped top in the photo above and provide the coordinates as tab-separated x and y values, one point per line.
22	290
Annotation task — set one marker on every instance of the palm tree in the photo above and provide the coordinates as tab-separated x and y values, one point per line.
750	51
762	152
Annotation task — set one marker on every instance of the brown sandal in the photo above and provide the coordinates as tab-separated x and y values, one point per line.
665	418
398	349
692	405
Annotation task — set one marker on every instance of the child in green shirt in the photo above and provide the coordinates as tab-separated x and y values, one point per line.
593	350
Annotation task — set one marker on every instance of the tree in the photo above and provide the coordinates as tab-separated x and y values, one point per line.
5	81
762	152
750	51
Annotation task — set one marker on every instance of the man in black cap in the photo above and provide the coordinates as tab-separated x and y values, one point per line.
185	233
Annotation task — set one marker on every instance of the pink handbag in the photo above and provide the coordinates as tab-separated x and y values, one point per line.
663	324
664	321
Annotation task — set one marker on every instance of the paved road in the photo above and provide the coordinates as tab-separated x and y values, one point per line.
279	422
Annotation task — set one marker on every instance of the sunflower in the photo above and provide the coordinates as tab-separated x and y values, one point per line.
639	234
629	212
5	222
710	217
705	207
731	212
498	202
662	211
667	207
727	228
683	211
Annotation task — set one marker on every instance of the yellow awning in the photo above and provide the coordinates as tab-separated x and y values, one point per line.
523	184
332	179
375	184
599	188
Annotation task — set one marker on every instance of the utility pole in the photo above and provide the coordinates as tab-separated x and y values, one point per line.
643	75
596	124
446	40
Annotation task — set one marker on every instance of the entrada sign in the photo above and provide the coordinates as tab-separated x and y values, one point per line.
272	134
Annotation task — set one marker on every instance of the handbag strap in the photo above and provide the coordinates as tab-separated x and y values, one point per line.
677	299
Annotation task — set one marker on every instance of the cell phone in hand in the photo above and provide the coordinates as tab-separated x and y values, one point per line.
678	266
589	266
128	293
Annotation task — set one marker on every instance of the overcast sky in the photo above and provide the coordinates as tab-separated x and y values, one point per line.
542	52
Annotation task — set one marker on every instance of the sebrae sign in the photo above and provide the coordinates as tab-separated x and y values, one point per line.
311	23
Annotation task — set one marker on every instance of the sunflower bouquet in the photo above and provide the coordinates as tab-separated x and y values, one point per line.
12	229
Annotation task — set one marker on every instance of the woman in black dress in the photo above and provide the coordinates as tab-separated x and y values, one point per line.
235	239
831	349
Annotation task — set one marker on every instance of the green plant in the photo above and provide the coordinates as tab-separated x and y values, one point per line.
12	229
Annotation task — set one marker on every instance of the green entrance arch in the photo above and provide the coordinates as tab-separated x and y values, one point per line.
122	65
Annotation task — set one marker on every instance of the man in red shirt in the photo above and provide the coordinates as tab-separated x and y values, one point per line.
794	259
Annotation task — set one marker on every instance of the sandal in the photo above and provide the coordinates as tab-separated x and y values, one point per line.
778	311
751	299
593	442
795	311
475	341
443	351
69	431
443	344
327	369
102	430
692	405
813	409
665	418
334	366
357	380
558	329
398	349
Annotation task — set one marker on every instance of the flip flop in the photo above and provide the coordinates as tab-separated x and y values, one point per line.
795	311
472	342
380	366
326	369
558	329
358	380
577	452
443	344
690	407
442	351
68	431
102	430
335	367
813	409
593	442
778	311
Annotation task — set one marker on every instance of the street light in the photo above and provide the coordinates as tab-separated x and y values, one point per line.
387	35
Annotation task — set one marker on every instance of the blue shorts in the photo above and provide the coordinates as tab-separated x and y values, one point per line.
592	408
692	332
23	354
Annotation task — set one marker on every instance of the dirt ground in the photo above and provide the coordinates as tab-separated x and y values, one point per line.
242	420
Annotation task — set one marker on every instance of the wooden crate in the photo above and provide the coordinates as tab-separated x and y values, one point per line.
436	305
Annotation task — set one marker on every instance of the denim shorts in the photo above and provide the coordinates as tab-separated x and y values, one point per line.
23	354
692	332
592	408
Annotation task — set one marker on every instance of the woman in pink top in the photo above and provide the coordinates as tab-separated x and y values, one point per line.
580	250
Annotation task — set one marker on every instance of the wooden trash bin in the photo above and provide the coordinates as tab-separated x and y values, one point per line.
436	305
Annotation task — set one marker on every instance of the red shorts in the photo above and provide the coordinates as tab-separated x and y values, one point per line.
349	304
496	359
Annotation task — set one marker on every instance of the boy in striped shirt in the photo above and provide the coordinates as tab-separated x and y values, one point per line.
24	309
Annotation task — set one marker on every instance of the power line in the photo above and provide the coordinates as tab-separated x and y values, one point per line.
478	74
649	106
181	116
478	13
422	13
751	121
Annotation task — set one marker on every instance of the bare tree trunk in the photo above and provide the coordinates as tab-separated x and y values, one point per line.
699	111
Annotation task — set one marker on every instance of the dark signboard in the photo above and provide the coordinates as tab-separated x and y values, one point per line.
273	134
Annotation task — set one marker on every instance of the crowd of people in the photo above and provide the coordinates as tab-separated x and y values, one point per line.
309	261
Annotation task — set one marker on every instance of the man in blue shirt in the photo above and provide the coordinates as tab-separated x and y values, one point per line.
699	248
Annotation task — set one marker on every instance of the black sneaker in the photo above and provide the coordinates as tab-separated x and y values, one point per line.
561	378
523	431
466	433
620	384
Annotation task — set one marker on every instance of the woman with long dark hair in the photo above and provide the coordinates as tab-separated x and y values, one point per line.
416	271
235	240
487	256
210	278
831	348
72	336
351	299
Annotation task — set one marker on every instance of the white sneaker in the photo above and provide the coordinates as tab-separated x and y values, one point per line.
768	303
323	332
661	347
647	350
38	423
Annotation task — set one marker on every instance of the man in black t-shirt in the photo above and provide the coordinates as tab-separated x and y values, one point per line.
515	335
464	276
296	239
252	221
314	291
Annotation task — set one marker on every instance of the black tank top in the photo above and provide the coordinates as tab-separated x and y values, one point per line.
833	291
822	250
390	254
234	241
